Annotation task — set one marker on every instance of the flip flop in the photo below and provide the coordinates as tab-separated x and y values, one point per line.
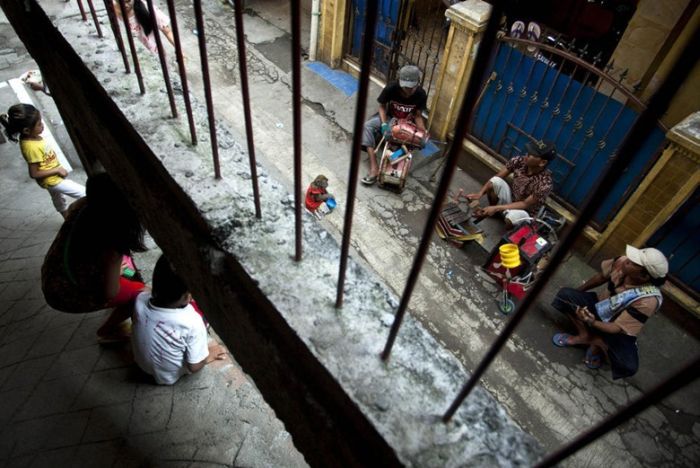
593	361
517	29
369	180
533	34
561	340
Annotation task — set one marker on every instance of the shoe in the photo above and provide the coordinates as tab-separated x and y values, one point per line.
561	340
593	361
369	180
533	34
517	29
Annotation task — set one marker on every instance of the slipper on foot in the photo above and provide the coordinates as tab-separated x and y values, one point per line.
593	360
561	340
369	180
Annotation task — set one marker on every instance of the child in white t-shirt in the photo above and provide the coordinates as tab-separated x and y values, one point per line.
169	337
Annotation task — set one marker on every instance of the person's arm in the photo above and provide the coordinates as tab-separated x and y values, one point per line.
36	173
216	353
112	264
382	113
593	282
516	205
420	122
589	319
503	173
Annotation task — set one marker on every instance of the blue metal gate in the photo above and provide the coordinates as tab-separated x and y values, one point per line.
387	22
678	239
533	96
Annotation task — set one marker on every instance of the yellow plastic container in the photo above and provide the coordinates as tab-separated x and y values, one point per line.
510	255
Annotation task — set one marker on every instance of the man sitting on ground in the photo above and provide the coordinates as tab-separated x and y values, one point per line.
609	322
532	184
403	100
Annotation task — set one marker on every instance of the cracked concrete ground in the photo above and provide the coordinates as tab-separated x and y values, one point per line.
546	390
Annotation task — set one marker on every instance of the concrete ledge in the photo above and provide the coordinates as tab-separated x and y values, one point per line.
316	366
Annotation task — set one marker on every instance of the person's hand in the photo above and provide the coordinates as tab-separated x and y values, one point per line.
62	172
472	196
584	315
217	353
489	210
385	128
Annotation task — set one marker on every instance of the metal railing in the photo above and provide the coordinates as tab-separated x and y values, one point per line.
540	92
627	150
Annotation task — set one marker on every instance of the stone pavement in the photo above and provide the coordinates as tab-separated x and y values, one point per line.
67	401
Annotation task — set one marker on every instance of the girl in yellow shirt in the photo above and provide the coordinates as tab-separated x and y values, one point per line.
24	120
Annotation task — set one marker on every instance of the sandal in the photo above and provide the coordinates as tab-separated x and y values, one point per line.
517	29
593	361
121	334
369	180
561	340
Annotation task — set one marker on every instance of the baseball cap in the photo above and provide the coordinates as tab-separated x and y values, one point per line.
653	261
409	76
541	149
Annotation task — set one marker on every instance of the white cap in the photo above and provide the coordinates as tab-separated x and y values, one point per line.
653	261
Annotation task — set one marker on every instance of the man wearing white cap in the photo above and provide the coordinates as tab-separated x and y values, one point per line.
404	99
609	322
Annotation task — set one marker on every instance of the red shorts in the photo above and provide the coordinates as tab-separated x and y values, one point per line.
128	290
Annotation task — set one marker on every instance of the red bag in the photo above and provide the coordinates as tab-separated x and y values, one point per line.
406	132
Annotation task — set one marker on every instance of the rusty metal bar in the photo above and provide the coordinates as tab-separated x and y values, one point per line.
296	110
161	56
183	71
684	376
116	30
557	109
509	90
498	85
579	122
199	18
601	146
243	68
631	144
545	102
366	65
93	13
82	10
132	46
521	96
568	116
472	94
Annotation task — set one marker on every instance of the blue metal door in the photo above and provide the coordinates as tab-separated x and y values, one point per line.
679	239
387	22
531	98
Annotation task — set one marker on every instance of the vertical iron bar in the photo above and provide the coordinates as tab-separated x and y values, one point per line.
182	69
601	145
684	376
521	95
161	56
473	89
116	30
509	91
366	64
631	144
243	68
545	102
499	83
296	107
82	10
199	18
594	93
132	46
93	13
557	109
